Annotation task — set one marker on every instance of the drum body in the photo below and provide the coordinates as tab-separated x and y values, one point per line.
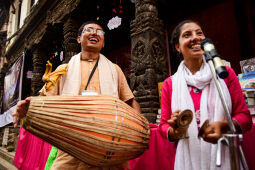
99	130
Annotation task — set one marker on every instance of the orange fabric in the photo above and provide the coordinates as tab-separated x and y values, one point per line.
86	68
123	89
51	78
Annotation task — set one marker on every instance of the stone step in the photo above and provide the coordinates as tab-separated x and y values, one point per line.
5	165
6	159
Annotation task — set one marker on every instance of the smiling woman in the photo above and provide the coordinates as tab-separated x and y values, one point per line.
192	87
190	38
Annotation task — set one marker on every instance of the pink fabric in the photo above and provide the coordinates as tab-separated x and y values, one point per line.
32	152
159	156
249	147
240	111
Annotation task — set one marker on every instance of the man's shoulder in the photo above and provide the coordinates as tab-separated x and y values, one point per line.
62	67
119	70
117	66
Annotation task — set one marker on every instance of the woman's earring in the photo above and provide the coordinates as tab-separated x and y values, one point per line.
180	56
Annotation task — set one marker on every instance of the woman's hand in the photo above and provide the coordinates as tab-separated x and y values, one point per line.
173	120
20	111
214	131
175	133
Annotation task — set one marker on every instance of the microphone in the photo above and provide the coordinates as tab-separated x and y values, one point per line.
211	54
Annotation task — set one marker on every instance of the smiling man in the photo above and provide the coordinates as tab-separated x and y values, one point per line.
89	71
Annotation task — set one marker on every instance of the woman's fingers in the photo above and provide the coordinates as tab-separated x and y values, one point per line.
173	118
172	121
181	131
212	133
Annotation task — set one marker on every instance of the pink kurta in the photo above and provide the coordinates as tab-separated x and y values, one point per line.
240	112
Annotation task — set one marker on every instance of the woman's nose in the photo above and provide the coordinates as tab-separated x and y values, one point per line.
195	37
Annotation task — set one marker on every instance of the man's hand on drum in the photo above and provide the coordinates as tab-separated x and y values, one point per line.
175	133
20	111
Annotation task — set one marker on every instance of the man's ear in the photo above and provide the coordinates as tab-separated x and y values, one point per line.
79	39
177	47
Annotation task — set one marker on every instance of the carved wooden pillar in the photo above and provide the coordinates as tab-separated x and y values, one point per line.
38	71
70	39
148	63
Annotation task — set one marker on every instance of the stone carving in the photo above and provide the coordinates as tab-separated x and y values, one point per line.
61	10
37	35
148	63
2	75
38	65
70	39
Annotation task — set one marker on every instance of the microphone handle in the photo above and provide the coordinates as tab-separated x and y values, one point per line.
220	68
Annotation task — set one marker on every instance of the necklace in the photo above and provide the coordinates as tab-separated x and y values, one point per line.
88	59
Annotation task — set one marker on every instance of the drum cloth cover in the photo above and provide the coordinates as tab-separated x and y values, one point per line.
98	130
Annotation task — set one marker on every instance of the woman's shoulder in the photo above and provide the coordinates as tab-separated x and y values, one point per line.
167	84
230	70
231	73
168	80
232	77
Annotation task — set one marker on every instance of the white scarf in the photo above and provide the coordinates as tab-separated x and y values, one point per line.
194	153
70	83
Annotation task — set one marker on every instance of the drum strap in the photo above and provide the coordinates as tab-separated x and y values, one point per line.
92	73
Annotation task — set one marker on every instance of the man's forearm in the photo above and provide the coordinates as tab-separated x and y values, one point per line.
134	104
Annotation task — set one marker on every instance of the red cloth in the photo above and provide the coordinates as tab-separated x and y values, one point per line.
159	156
32	152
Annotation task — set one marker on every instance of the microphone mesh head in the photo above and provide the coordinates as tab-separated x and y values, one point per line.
204	41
